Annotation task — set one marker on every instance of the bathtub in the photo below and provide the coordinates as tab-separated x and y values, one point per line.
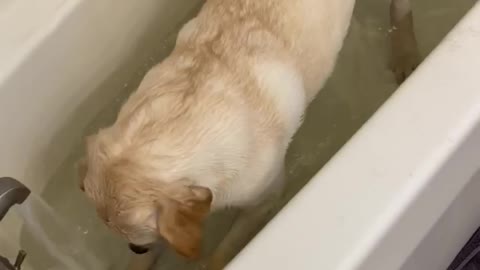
399	194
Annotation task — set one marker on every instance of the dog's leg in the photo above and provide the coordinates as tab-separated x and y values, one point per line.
404	48
247	224
144	261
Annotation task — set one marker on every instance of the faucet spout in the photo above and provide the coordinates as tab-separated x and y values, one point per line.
11	192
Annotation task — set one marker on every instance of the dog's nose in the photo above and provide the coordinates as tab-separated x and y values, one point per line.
138	249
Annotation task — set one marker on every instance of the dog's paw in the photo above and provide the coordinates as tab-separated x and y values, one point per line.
404	63
405	56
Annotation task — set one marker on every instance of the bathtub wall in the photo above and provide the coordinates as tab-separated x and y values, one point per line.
62	61
450	233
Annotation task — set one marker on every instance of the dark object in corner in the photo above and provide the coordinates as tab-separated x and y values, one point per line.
469	256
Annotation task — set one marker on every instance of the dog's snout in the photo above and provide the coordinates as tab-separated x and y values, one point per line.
138	249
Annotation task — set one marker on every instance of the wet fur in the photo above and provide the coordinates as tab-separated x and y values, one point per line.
209	126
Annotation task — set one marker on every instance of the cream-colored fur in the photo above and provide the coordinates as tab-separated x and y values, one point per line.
209	126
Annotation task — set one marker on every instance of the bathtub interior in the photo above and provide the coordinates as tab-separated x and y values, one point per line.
359	85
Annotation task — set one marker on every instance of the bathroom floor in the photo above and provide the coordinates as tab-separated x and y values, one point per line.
360	84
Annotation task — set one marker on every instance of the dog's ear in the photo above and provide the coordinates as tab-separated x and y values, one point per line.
81	167
180	218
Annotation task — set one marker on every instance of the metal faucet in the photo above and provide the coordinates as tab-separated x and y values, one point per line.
11	192
17	265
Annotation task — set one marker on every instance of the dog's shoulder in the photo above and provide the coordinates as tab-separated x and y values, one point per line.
282	83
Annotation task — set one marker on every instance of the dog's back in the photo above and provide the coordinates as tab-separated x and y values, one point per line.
215	118
245	72
306	33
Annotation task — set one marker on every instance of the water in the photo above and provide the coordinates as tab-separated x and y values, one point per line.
62	242
359	85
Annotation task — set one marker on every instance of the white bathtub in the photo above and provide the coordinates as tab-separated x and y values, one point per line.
388	199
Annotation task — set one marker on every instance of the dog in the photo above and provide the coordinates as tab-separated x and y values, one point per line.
209	126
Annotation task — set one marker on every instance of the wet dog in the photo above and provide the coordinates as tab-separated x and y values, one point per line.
208	127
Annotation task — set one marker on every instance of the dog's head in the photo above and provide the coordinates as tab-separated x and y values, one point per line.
143	209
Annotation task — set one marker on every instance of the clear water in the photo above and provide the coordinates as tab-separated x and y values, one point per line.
63	243
359	85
